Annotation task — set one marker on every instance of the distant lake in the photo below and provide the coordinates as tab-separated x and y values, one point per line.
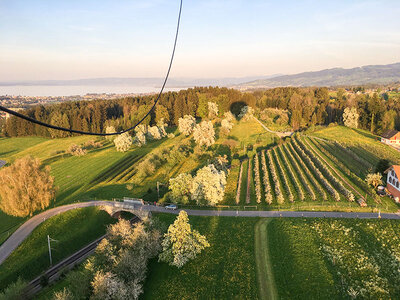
71	90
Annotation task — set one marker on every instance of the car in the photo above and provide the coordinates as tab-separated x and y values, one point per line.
171	206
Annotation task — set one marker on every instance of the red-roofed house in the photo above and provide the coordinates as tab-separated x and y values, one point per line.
391	137
393	184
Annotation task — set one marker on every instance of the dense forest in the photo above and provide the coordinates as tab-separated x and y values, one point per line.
306	106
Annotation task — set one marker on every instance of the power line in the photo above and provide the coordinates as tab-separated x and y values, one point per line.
29	119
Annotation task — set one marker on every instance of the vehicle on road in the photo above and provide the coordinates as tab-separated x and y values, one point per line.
171	207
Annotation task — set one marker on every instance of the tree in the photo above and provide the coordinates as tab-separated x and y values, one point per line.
181	243
15	291
162	114
382	166
25	187
212	110
110	129
180	188
119	264
155	133
388	120
229	116
123	142
350	117
374	106
76	150
208	186
374	179
204	134
226	126
61	120
202	109
186	124
64	294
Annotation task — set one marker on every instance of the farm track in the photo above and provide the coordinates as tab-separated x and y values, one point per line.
248	182
265	276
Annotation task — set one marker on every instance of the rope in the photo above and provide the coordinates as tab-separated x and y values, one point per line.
29	119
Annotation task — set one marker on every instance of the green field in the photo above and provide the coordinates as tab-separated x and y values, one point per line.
335	259
260	258
72	230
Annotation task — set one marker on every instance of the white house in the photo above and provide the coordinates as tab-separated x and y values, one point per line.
391	137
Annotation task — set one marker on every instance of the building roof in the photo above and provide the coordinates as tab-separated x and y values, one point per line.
389	134
396	169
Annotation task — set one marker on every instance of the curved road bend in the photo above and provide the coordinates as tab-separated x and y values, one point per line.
25	229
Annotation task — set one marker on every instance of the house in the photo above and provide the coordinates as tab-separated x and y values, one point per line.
391	137
393	178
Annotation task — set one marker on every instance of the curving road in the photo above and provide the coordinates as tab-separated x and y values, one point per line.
25	229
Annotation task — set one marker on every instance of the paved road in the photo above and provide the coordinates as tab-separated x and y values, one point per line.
23	232
2	163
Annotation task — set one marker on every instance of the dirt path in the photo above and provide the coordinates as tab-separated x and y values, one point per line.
265	276
248	182
239	183
280	134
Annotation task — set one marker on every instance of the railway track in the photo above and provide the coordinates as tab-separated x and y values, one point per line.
52	274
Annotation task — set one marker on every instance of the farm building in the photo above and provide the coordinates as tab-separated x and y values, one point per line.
391	137
393	184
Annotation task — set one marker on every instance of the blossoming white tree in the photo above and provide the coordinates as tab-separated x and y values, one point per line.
186	124
110	129
212	110
226	125
204	134
374	179
181	243
229	116
180	188
208	186
123	142
350	117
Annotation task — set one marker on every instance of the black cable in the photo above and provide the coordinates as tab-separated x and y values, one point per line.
29	119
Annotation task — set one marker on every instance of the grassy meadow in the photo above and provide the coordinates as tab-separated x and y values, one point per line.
261	258
73	230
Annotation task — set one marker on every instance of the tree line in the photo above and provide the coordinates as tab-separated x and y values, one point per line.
306	107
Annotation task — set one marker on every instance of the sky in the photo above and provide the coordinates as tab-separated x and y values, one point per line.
73	39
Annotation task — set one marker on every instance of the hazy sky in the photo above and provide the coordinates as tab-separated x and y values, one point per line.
70	39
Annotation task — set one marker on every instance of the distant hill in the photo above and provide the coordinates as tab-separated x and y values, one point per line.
144	82
378	74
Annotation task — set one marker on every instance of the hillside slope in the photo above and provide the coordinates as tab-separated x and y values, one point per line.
374	74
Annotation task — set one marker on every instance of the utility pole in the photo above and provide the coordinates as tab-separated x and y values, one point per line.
158	190
48	242
49	239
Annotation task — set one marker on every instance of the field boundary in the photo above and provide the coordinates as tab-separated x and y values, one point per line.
265	276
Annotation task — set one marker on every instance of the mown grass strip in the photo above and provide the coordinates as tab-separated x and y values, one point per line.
265	276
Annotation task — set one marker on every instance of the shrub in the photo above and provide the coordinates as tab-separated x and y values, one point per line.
76	150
